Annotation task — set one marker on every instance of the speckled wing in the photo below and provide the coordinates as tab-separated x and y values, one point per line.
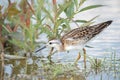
83	34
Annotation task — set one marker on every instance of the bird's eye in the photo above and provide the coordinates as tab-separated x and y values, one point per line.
50	43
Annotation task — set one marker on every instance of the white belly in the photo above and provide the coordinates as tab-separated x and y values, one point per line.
77	47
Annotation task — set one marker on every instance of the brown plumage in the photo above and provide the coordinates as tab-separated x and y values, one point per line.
77	38
82	35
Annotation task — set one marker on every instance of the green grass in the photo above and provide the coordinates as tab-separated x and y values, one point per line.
41	16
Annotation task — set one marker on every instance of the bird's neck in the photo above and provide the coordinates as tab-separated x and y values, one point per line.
60	48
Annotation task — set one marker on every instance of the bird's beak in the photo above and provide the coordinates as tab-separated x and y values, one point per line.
40	49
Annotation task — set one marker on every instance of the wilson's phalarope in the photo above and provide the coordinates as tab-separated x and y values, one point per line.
77	38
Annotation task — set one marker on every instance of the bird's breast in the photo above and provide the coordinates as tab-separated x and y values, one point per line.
73	47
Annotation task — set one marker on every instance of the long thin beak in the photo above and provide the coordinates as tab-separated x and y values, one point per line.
40	49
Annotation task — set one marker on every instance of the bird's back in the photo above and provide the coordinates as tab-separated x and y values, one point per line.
83	34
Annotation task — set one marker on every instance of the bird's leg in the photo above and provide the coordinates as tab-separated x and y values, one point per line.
84	51
78	57
50	53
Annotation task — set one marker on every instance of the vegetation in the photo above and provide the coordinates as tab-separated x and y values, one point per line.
22	22
109	67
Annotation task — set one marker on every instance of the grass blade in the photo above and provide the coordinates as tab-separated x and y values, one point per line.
81	2
94	18
90	7
48	14
62	8
81	21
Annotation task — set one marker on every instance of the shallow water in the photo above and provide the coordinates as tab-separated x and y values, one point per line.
103	46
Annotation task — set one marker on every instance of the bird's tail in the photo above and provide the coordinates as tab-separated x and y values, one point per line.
99	27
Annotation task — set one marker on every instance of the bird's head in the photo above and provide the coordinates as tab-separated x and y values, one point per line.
52	43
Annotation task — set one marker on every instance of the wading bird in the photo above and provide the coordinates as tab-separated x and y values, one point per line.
77	38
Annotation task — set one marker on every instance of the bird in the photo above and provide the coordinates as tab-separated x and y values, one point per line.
76	38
